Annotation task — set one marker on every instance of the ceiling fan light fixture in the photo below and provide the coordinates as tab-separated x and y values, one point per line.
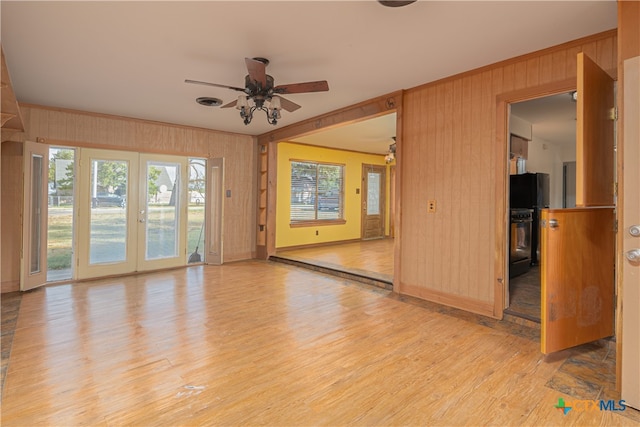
242	102
275	103
391	155
259	92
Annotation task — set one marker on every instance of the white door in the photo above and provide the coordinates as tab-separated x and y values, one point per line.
107	220
161	212
132	213
630	217
33	271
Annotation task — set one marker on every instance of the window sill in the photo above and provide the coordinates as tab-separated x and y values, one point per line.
317	223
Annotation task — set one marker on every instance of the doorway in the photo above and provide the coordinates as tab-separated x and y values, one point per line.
340	246
132	212
577	281
569	185
544	143
94	213
373	201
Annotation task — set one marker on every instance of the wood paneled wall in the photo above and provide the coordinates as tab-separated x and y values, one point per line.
57	126
453	153
11	213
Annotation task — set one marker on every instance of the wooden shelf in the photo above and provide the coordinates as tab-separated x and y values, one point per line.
263	163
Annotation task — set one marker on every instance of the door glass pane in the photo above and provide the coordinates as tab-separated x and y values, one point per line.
36	212
197	191
108	229
373	193
163	204
60	218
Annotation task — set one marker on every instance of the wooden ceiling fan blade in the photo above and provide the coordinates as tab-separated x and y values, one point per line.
288	105
231	104
257	71
213	84
319	86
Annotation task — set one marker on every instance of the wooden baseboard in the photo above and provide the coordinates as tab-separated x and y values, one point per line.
456	301
318	245
238	257
9	286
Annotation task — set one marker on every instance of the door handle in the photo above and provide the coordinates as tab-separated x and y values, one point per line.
633	255
553	223
142	220
634	230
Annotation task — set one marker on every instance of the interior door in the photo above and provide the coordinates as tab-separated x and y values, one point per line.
594	135
373	201
161	212
630	227
577	274
33	270
578	307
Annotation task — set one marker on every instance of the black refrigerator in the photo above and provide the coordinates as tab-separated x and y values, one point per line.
531	191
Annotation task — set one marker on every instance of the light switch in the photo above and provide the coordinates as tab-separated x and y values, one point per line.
431	206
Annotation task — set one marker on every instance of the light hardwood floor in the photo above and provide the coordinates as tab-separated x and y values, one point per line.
259	343
372	258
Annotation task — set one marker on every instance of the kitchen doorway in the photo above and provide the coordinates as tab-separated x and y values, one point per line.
542	144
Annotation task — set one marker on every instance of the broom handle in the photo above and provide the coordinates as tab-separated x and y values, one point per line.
201	228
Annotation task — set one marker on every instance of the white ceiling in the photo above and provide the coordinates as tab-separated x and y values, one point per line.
131	58
552	118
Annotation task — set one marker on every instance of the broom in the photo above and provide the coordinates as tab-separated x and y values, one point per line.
195	256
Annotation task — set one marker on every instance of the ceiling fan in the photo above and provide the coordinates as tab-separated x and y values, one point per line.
260	93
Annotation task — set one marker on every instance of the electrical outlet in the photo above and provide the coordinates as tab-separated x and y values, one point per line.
431	206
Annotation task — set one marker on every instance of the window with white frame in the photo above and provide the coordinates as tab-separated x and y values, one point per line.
316	191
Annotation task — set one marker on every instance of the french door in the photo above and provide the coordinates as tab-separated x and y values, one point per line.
162	214
131	212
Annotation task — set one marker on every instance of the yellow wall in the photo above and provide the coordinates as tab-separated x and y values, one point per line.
287	236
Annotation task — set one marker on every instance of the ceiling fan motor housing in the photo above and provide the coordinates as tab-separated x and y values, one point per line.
254	88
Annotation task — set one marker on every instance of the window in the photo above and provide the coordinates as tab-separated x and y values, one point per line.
316	192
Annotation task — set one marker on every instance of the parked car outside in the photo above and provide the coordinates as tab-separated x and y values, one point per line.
107	199
196	197
329	202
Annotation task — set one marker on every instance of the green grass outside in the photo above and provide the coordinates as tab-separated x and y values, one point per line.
103	229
